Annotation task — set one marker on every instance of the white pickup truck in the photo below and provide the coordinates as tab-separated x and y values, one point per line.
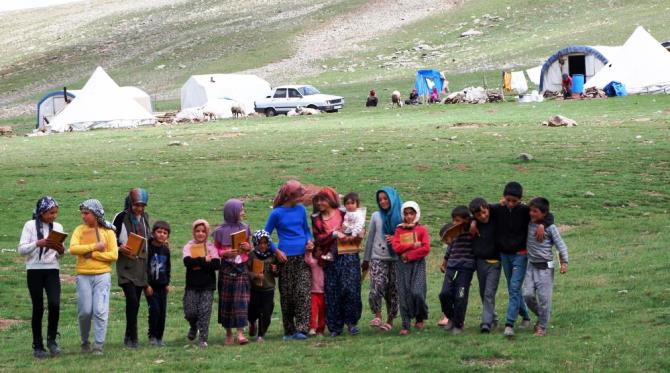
287	97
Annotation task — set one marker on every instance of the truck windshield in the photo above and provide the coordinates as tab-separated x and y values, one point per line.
308	90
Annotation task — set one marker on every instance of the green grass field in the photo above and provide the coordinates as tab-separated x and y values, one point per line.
611	311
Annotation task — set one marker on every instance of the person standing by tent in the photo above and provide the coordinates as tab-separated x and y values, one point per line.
566	86
445	83
372	99
131	269
342	285
289	218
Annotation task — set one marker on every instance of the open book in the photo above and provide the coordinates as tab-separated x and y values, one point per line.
135	243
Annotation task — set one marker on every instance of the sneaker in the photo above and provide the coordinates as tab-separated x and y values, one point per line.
449	326
353	330
525	324
509	332
203	344
129	343
97	350
192	333
494	325
54	350
160	343
299	336
40	353
85	347
252	330
153	341
456	331
419	325
334	334
485	329
312	332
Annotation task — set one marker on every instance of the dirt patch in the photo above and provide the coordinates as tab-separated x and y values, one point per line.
422	167
461	167
489	362
8	323
230	135
521	168
310	170
67	279
465	125
562	228
655	194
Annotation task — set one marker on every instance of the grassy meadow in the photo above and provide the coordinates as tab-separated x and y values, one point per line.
611	311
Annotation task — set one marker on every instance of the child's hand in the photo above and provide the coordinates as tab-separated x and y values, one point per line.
208	258
56	246
281	256
341	235
539	233
417	244
148	291
389	238
259	277
309	246
245	246
403	257
443	266
564	268
167	289
474	231
41	243
273	268
100	246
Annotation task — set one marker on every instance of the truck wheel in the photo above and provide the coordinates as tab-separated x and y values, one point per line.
270	112
313	107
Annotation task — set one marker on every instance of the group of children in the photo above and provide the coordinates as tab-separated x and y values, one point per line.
509	236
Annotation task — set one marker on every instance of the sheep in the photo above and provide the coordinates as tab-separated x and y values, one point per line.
238	110
208	116
396	99
306	111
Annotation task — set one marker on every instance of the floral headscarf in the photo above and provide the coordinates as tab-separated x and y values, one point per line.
95	207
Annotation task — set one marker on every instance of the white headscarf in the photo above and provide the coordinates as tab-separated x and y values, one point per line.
413	205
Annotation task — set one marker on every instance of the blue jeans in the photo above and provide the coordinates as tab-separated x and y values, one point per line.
514	266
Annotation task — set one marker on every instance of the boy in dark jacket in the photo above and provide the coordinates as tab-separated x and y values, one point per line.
458	267
261	302
158	287
487	258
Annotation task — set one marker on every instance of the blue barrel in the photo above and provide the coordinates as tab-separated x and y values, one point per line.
577	83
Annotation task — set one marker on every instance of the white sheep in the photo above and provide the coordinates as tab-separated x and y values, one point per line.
396	99
238	110
306	111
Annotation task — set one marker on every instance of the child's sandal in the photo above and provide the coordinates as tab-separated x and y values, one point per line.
376	322
385	327
229	341
242	341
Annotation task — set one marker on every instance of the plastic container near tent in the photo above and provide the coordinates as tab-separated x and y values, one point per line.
426	80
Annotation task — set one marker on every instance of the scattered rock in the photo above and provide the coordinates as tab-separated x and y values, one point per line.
471	32
589	194
8	323
560	121
174	143
21	181
525	157
6	130
159	67
624	291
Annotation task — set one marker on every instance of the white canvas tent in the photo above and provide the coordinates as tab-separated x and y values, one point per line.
101	104
577	59
139	96
199	90
643	66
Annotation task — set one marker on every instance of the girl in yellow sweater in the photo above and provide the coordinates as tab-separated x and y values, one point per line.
94	243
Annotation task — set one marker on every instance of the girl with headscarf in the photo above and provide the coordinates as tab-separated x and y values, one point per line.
42	271
132	269
380	259
233	276
289	219
94	243
412	243
342	277
200	282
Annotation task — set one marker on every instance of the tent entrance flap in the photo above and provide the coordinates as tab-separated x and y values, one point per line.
577	64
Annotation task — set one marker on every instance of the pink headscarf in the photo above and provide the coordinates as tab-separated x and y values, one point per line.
200	222
290	191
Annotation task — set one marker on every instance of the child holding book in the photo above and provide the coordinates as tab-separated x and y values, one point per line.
158	285
233	276
202	261
317	321
539	281
42	271
262	273
458	267
412	243
131	268
94	244
353	223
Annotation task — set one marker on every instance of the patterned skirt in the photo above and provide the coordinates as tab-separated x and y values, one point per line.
233	295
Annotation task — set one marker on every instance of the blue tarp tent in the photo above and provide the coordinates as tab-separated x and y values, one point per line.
426	79
51	104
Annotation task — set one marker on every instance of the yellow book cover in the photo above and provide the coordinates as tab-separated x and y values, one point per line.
407	238
237	238
257	266
135	243
198	250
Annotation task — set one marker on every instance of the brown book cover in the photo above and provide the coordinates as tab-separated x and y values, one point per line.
257	266
237	238
198	250
135	243
348	247
56	236
407	238
451	231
